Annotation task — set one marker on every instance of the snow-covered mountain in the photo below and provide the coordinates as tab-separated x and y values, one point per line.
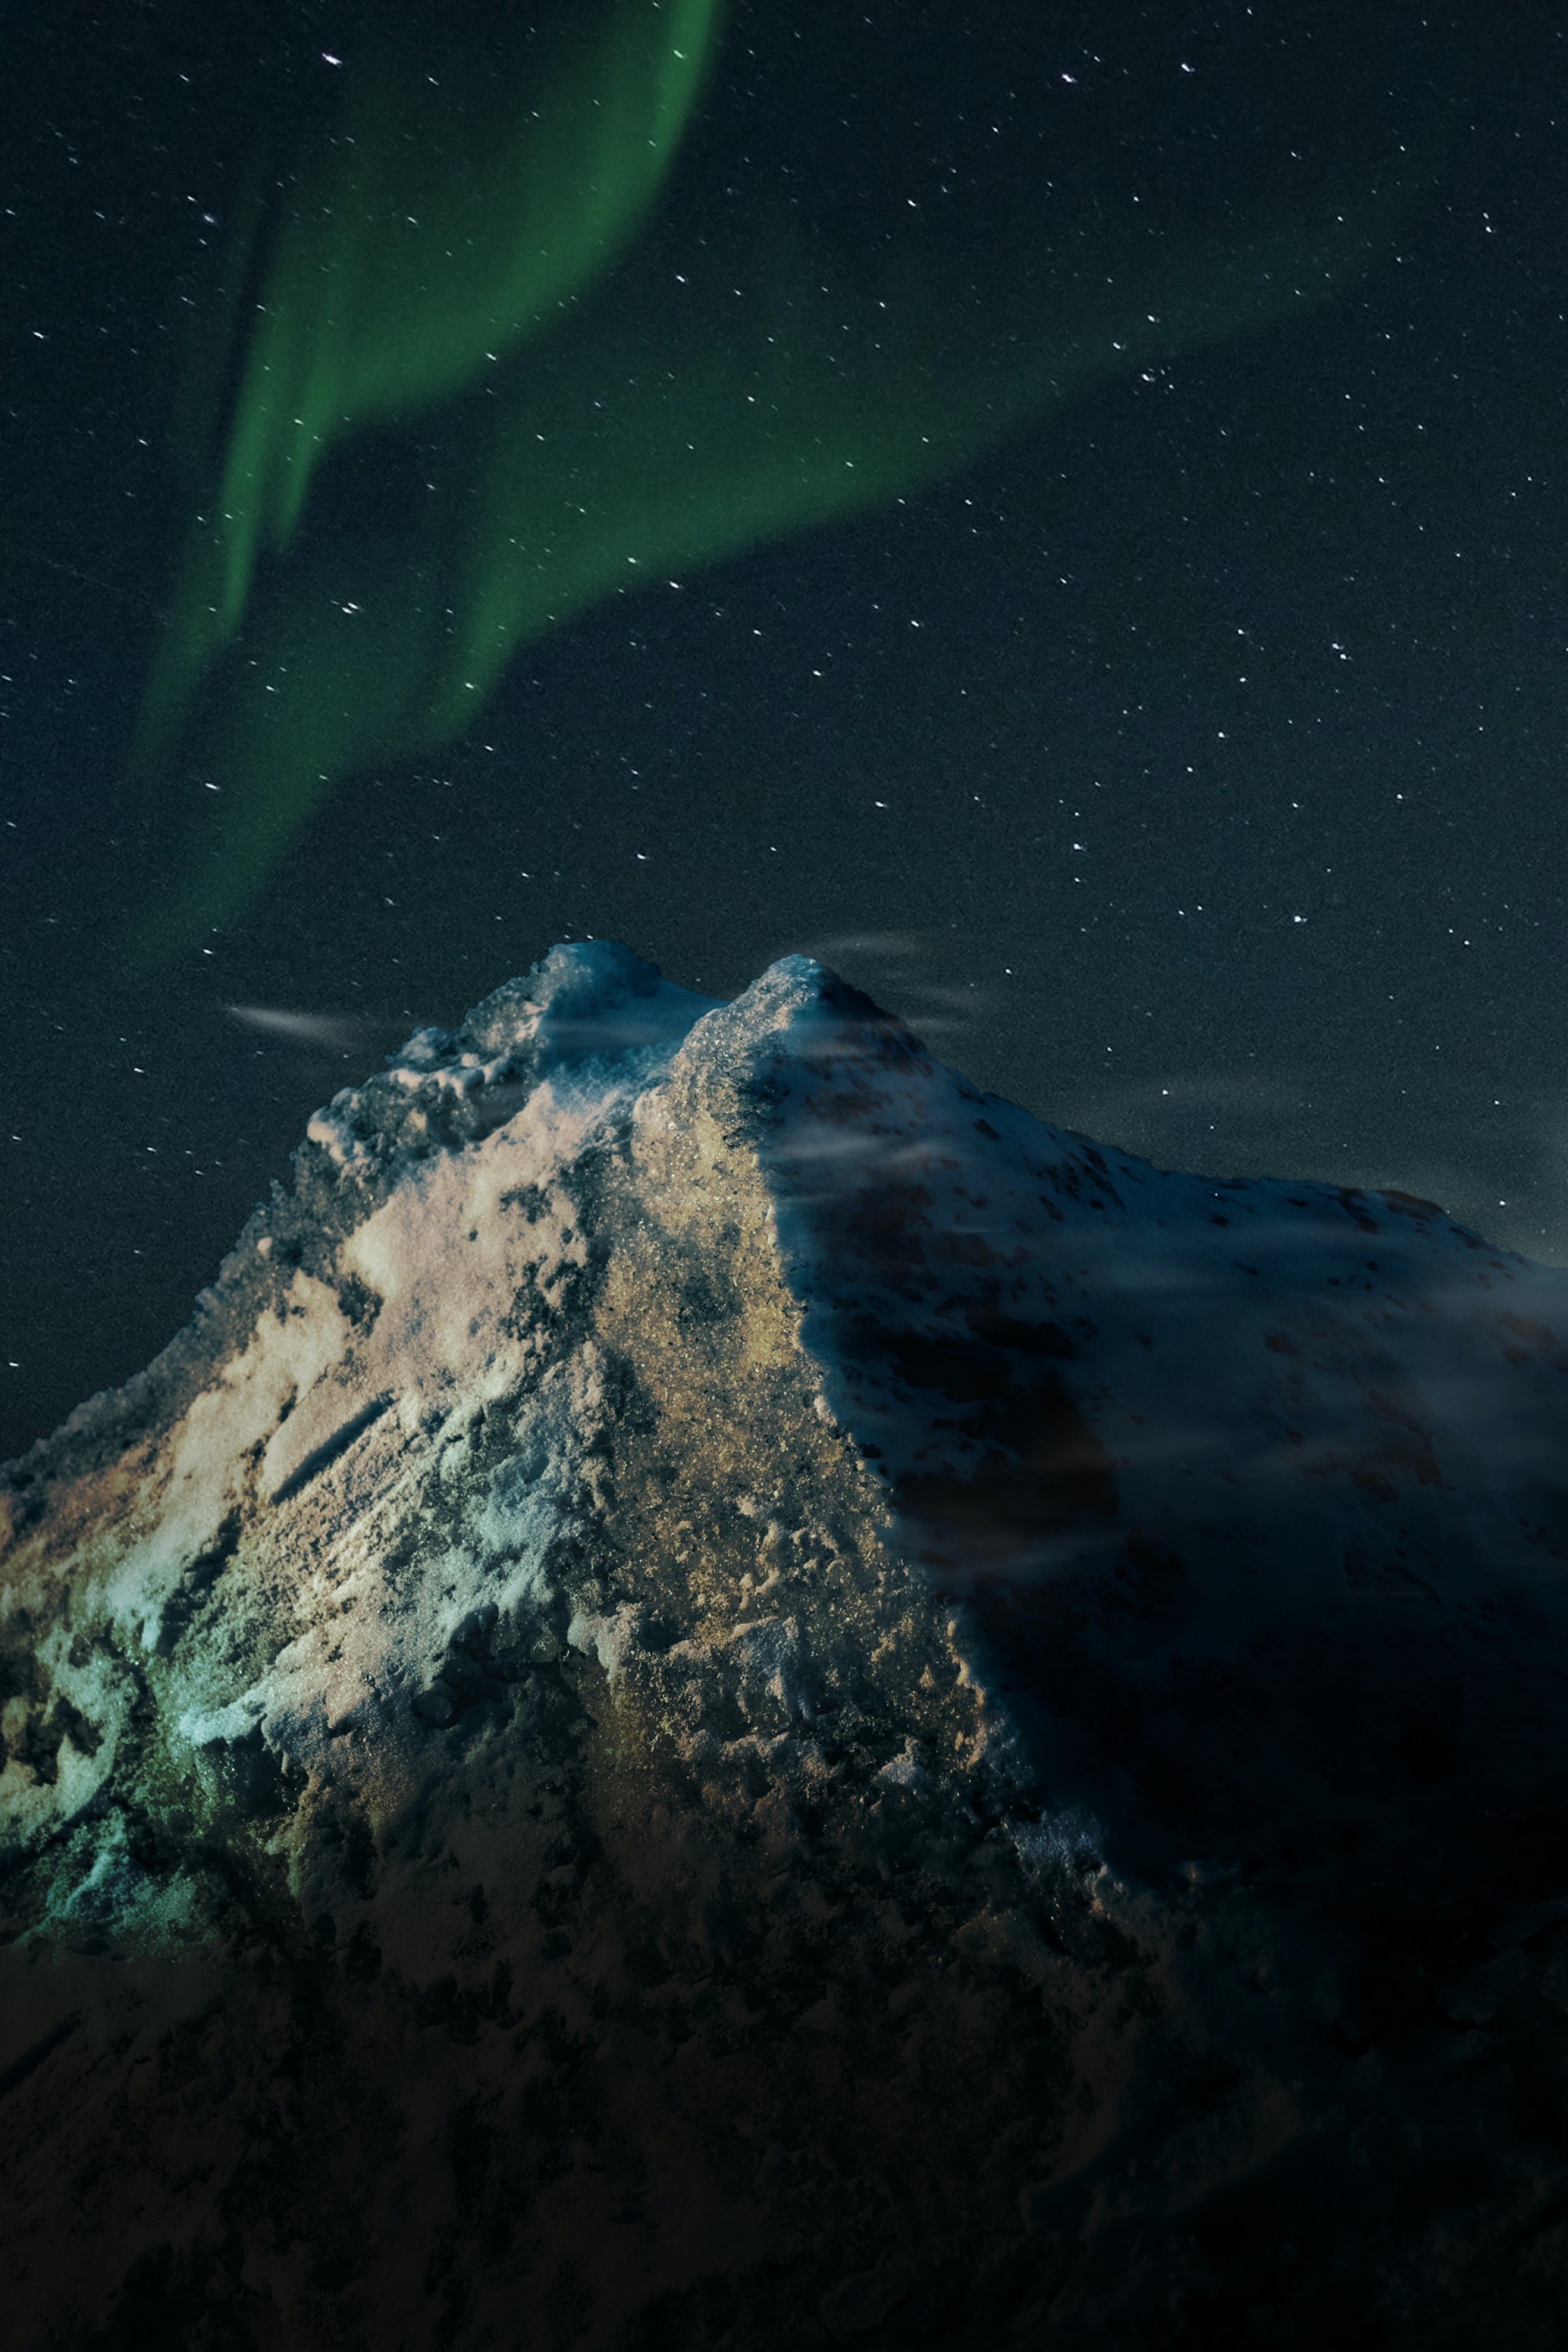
728	1693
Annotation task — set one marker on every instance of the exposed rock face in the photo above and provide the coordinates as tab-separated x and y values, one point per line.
729	1695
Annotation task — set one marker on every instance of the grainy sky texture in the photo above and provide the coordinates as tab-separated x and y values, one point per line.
1057	510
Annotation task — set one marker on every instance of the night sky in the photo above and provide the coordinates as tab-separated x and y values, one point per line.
1059	510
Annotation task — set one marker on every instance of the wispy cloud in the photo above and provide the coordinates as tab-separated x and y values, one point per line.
325	1032
893	945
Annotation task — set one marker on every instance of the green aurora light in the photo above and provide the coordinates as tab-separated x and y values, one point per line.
594	410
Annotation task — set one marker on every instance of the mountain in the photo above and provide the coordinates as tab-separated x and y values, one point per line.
728	1694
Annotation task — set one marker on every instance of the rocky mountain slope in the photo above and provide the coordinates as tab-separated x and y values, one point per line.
729	1694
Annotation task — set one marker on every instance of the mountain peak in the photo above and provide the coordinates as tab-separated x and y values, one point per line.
787	1662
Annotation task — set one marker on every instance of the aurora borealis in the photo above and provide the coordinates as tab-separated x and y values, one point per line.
444	263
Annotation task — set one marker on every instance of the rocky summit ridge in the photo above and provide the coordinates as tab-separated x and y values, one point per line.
728	1694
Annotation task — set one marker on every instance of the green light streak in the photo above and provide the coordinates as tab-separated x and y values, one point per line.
583	430
435	232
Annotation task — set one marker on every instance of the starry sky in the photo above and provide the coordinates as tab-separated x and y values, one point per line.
1059	512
